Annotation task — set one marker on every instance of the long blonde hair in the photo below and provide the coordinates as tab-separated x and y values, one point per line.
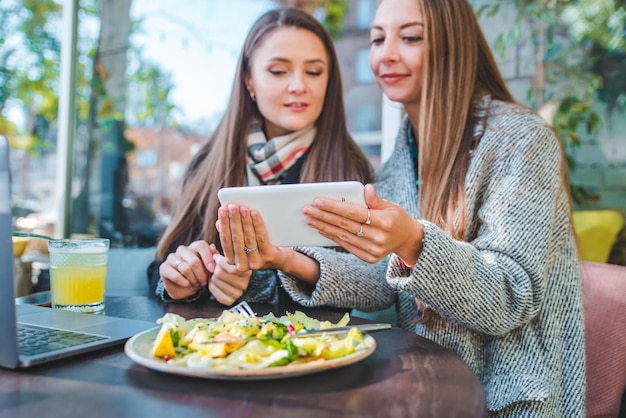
458	68
221	162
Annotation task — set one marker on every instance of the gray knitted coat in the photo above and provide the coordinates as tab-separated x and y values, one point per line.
511	295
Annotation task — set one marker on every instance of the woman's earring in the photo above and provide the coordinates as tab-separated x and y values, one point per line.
252	96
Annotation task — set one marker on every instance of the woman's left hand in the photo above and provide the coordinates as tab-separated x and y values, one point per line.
244	240
244	251
369	233
245	244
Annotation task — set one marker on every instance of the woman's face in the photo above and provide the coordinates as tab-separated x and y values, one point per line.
289	77
397	50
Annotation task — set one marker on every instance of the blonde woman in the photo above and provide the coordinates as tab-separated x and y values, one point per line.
473	214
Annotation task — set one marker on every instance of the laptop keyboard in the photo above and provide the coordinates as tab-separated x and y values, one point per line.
36	340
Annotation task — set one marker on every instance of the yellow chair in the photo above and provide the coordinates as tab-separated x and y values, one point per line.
596	231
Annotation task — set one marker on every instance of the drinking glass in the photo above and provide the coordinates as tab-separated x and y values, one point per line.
78	269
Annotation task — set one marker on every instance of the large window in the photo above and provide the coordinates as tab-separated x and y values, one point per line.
153	78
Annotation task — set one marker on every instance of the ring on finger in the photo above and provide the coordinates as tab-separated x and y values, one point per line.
360	233
250	250
178	263
368	220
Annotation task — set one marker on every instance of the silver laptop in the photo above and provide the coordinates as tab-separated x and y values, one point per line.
45	334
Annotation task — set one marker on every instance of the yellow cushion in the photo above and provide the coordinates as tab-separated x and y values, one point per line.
596	231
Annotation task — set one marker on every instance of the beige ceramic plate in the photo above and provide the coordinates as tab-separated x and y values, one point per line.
138	349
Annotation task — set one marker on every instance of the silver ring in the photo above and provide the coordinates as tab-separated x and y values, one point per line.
368	220
250	250
178	263
360	233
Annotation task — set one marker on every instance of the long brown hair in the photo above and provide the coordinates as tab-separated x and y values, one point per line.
221	162
458	68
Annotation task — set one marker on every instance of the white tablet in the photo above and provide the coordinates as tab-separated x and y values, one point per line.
281	208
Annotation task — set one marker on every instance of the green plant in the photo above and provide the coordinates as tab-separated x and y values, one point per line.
579	52
330	12
335	11
572	115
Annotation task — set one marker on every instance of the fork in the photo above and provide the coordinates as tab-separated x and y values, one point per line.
244	309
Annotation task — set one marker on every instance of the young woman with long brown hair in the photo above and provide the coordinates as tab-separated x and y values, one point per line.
472	213
284	123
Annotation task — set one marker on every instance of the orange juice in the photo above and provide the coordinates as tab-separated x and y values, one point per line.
77	274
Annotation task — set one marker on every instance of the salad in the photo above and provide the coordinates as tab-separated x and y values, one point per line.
233	341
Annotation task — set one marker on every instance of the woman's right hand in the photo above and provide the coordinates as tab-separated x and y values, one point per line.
369	233
188	269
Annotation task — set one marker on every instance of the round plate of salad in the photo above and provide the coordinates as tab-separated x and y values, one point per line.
236	347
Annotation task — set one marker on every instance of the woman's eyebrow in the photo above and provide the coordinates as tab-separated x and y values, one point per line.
287	61
403	26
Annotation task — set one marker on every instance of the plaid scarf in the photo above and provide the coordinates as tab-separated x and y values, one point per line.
268	160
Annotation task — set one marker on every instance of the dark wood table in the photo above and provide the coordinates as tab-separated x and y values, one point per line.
407	376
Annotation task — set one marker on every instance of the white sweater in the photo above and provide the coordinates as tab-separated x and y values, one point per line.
511	295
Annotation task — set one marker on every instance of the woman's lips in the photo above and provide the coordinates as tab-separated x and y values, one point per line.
297	107
393	78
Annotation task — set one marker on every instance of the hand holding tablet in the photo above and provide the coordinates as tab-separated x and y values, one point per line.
281	208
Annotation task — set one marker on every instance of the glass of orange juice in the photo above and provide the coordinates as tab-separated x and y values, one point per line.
78	269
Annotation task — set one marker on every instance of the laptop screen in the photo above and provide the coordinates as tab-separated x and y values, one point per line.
8	353
6	242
